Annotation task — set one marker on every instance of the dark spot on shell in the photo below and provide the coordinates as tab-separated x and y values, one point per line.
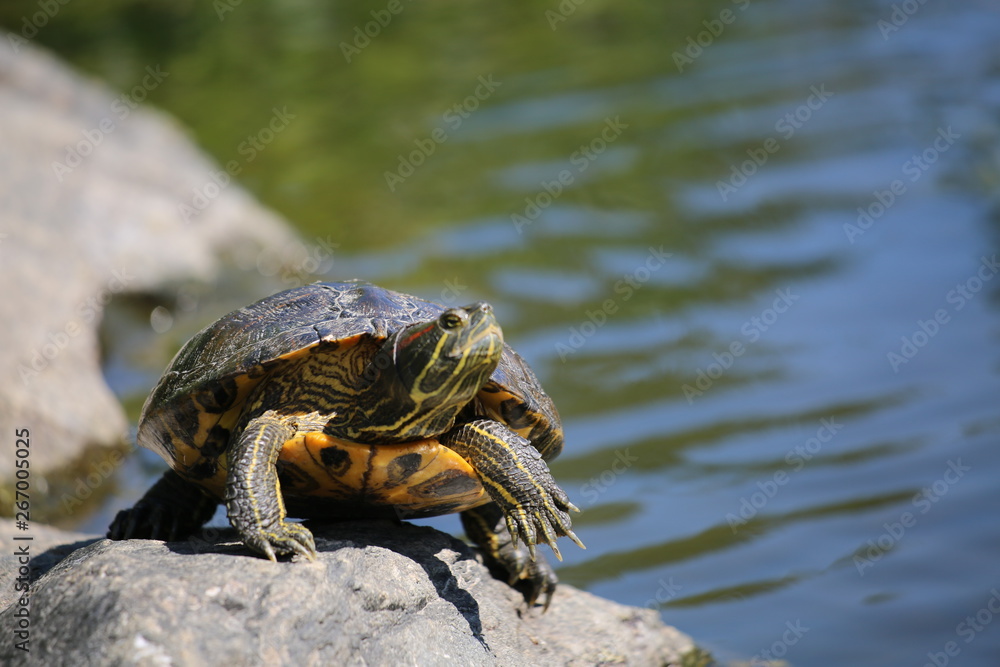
216	442
401	467
448	483
515	413
219	397
293	478
335	459
203	469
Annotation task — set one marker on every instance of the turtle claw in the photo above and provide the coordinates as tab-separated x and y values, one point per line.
550	536
536	581
284	539
541	518
306	549
512	529
547	589
529	573
571	535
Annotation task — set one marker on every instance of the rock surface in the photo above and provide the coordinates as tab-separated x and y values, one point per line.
91	195
380	594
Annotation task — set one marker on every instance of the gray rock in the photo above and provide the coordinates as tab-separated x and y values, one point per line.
379	594
73	237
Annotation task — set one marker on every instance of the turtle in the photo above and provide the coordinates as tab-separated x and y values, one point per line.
335	401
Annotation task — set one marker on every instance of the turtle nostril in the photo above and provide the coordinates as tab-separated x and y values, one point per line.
480	306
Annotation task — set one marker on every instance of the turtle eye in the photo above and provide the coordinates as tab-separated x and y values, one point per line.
453	319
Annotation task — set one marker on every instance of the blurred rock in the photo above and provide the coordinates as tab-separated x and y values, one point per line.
92	196
379	594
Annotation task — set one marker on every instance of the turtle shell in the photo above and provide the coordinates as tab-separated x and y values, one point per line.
189	416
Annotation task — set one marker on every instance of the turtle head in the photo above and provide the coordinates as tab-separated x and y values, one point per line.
437	367
444	362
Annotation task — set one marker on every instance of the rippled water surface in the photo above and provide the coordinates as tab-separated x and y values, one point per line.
758	276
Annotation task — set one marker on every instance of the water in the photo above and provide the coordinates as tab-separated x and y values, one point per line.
781	415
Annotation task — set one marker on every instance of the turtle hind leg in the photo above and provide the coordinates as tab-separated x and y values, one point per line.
171	510
253	494
532	577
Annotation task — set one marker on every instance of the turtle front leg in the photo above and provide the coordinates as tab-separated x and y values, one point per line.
171	510
516	477
253	495
486	526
